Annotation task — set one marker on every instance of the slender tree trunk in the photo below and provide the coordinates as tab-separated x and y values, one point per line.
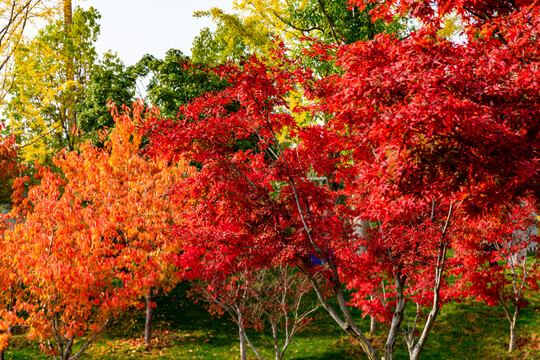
513	332
243	354
148	321
67	352
513	338
432	316
372	320
439	274
70	104
396	319
348	325
362	232
275	338
236	314
86	344
68	11
2	355
372	325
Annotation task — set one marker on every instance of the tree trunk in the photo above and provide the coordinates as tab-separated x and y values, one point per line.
439	273
348	325
243	354
513	338
148	322
513	332
2	354
68	11
67	351
432	316
70	76
372	325
396	319
373	320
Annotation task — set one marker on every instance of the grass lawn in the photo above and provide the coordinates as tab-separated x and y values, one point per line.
184	330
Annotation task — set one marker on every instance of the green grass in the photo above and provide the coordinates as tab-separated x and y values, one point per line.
184	330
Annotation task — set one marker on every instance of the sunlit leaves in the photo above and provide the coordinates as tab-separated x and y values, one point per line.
96	237
45	94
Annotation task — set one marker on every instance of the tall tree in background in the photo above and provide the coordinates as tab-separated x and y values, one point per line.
70	76
233	39
68	14
15	16
174	81
259	22
336	22
44	94
110	82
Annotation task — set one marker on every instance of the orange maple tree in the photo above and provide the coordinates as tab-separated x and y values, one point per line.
94	238
8	278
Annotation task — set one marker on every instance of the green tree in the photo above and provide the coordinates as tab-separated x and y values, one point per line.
174	81
110	81
335	21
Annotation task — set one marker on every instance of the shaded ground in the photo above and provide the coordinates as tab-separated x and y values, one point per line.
183	330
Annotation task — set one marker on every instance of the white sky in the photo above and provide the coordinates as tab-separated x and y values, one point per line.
133	28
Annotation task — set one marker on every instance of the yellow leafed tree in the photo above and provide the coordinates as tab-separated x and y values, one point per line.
15	17
234	38
256	23
52	71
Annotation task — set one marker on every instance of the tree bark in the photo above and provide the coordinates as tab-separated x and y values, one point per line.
513	339
430	321
70	105
67	352
88	342
513	332
348	325
148	320
372	325
439	272
243	354
396	319
68	11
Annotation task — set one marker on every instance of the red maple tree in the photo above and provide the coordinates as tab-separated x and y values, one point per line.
263	197
452	124
413	136
499	265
